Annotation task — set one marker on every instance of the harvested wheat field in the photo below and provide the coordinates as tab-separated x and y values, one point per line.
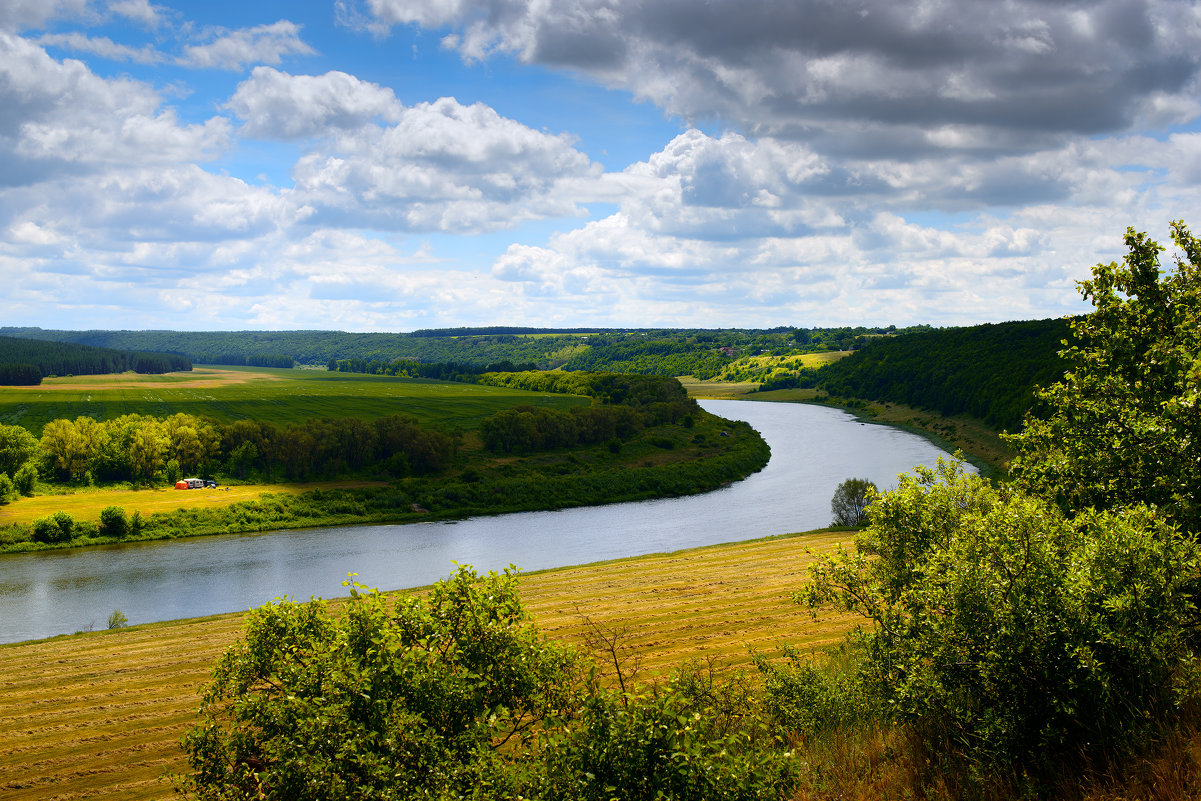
100	715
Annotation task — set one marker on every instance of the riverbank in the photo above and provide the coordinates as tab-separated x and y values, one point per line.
661	462
102	713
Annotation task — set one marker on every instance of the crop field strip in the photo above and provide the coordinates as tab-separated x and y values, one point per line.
281	396
100	715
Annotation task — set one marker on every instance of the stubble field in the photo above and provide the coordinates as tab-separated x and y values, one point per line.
100	715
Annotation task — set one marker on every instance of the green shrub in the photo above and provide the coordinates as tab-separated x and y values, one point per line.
811	697
113	522
681	740
410	701
1009	635
58	527
25	479
8	490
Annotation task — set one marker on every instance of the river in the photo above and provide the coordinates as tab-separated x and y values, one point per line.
814	448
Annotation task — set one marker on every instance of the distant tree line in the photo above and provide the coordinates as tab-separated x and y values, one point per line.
662	351
607	388
25	362
446	371
247	360
137	447
627	404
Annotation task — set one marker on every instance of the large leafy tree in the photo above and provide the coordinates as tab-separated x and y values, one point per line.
1124	424
17	446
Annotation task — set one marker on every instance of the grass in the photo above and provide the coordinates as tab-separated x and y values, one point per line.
101	714
281	396
87	505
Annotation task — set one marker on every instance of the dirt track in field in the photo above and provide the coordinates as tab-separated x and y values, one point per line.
101	715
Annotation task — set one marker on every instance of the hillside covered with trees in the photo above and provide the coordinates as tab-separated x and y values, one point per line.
987	371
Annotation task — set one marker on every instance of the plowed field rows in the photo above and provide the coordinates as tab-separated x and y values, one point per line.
100	715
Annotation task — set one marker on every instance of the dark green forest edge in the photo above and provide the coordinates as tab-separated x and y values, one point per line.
1037	638
641	438
25	362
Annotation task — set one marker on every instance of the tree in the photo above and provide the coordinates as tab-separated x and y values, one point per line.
427	698
17	446
851	500
1009	634
1124	424
69	446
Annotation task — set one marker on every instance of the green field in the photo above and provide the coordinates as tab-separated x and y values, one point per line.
259	393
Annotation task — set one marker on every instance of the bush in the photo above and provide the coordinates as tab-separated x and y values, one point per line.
378	702
812	697
1011	635
666	742
59	527
8	490
26	479
113	522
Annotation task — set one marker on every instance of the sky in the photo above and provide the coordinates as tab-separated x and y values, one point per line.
391	165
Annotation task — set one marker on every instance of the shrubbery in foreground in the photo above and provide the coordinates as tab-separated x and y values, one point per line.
455	695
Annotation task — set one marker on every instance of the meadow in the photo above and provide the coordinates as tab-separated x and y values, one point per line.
101	714
258	393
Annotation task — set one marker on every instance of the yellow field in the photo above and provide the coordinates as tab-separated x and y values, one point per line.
100	715
86	505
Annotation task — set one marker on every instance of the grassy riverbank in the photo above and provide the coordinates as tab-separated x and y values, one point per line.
99	715
662	461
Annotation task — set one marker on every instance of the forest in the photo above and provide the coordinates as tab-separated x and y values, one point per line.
24	362
987	371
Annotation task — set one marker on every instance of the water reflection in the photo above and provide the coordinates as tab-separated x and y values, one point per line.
813	450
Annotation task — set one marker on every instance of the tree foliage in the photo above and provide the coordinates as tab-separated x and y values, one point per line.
851	500
427	699
24	361
987	371
1011	633
1055	617
456	695
1125	421
17	447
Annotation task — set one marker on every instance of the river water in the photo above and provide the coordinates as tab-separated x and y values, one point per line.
814	449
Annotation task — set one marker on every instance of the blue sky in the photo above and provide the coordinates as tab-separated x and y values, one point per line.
400	164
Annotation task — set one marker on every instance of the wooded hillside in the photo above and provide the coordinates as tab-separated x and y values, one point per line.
987	371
